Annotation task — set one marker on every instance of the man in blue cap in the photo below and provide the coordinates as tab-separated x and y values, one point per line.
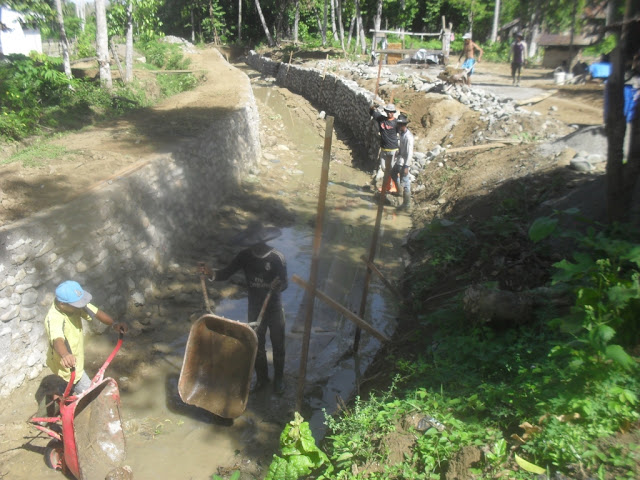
63	325
265	270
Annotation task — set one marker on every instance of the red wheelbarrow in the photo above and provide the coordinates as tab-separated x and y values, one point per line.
88	441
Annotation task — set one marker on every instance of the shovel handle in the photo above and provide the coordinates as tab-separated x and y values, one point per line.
205	294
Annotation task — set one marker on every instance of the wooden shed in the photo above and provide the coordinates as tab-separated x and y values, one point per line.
557	49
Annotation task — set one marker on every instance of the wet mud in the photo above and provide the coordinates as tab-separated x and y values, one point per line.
165	438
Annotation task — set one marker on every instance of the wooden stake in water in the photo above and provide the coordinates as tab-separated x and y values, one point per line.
315	258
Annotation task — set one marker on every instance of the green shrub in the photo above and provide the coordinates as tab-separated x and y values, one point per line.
164	55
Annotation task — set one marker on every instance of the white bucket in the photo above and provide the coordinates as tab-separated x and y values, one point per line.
559	76
568	77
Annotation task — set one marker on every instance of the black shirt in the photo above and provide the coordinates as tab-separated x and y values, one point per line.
259	272
388	130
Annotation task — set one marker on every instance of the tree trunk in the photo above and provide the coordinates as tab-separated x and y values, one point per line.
102	45
333	20
358	24
278	31
239	21
340	25
496	21
318	22
324	24
377	20
128	53
296	22
536	21
264	24
574	15
80	13
622	178
351	25
193	27
63	40
363	39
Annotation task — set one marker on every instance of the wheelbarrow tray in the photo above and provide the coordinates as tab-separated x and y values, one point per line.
218	365
92	431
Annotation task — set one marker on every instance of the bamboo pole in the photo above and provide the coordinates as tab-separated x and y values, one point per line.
341	309
378	79
372	250
315	260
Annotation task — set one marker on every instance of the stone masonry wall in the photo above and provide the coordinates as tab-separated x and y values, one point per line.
117	239
341	98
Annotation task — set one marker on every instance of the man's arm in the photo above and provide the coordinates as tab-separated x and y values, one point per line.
67	359
107	320
409	158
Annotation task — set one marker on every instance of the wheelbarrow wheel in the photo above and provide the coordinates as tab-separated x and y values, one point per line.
53	455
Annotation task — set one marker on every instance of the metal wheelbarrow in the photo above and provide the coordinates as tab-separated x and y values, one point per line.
218	365
88	440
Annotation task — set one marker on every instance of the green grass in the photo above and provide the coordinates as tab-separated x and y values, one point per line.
36	155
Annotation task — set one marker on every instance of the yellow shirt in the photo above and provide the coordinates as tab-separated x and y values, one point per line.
62	325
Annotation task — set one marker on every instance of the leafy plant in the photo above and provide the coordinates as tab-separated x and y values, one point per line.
300	455
605	276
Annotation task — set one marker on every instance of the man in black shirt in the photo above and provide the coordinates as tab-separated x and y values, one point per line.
387	126
265	270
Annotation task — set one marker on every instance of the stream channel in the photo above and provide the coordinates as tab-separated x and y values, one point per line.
168	439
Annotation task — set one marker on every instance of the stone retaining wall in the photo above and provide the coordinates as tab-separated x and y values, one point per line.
341	98
119	239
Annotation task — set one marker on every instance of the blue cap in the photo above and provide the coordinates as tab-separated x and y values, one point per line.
72	293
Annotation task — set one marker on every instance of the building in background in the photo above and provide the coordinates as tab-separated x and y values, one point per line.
17	35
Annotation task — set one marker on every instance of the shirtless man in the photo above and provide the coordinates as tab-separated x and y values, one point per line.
468	51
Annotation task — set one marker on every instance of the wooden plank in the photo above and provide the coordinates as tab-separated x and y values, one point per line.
395	32
484	146
538	98
343	310
407	51
377	271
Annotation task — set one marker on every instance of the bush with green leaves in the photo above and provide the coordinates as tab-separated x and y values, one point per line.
164	55
35	93
547	396
299	454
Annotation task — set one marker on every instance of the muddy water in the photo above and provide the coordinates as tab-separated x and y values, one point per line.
168	439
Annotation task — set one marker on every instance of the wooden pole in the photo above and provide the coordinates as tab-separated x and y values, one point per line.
372	250
341	309
377	271
315	259
378	80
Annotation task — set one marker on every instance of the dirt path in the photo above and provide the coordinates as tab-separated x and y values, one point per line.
77	162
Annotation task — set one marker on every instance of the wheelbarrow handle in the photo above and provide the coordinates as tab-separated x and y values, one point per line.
100	375
72	379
